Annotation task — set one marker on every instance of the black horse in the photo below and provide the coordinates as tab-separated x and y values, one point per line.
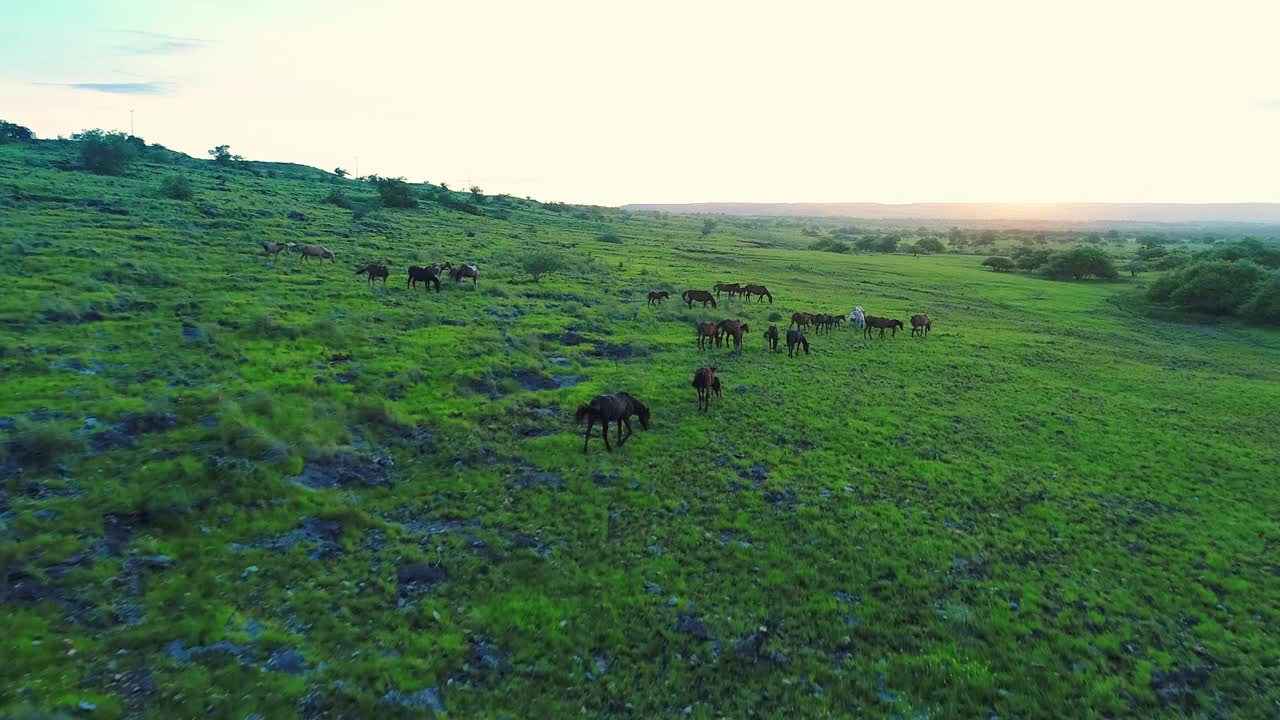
771	337
429	275
702	296
607	408
795	339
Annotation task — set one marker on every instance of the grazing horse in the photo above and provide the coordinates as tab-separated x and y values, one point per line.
707	332
732	329
801	320
316	251
858	316
881	324
771	337
272	249
657	297
731	288
466	270
706	382
429	275
607	408
795	339
821	322
702	296
921	324
375	271
760	290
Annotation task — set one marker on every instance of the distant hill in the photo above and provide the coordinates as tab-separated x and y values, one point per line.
1268	213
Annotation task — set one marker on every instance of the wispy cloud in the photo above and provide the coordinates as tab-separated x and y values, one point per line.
124	88
149	43
1270	105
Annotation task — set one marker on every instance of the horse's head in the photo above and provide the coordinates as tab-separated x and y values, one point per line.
642	411
745	328
805	342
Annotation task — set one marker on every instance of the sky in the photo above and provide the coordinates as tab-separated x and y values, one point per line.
619	102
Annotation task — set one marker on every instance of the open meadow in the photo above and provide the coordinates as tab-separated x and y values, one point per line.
238	486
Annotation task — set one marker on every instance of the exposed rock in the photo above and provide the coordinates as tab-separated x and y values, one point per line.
430	698
344	470
418	576
533	478
288	661
690	624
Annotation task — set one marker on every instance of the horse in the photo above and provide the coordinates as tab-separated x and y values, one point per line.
375	271
730	288
760	290
771	338
702	296
430	275
921	324
707	332
657	297
466	270
795	339
606	408
881	323
706	382
821	322
801	320
732	329
272	249
858	316
316	251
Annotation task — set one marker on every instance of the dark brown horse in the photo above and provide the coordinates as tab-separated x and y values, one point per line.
732	329
731	288
801	320
771	337
796	339
272	249
657	297
430	275
375	272
882	324
707	332
760	290
702	296
706	382
609	408
921	324
821	322
466	271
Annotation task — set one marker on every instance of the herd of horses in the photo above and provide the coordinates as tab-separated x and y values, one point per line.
429	275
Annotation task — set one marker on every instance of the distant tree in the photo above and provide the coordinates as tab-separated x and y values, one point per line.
1093	238
444	184
887	244
1079	263
708	227
540	262
340	172
1212	286
1113	235
908	247
866	243
986	237
998	264
222	155
1135	267
106	153
609	236
1031	258
394	192
475	190
1265	303
929	245
955	236
12	133
1151	240
176	187
829	245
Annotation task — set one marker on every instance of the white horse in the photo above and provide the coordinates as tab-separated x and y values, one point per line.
858	317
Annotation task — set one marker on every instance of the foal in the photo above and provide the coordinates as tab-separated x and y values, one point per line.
375	272
657	297
706	382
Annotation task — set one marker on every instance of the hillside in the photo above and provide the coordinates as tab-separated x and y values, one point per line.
235	486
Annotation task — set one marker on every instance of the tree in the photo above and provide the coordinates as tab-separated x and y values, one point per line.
1135	267
986	237
1031	259
176	187
1093	238
394	192
955	236
908	248
1212	286
222	155
540	262
998	264
929	245
708	227
13	132
340	172
1079	263
1265	303
1113	235
106	153
475	190
887	244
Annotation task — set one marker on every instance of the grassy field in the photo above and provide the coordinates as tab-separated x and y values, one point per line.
239	487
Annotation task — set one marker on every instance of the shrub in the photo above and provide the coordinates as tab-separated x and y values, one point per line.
222	155
44	445
540	262
106	153
395	192
336	198
1079	263
998	263
1030	259
177	187
13	132
1135	267
1249	249
829	245
609	237
1212	286
1265	303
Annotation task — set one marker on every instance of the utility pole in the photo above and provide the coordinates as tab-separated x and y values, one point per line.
131	121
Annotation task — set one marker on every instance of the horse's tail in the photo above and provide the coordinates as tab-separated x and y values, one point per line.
583	411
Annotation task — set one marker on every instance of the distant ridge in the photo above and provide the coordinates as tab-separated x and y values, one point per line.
1268	213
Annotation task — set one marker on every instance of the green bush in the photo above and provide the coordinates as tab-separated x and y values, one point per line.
609	237
540	262
177	187
926	246
1212	286
1026	258
107	153
1265	303
829	245
1079	263
395	192
13	132
998	263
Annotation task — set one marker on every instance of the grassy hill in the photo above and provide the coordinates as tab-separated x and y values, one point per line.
241	487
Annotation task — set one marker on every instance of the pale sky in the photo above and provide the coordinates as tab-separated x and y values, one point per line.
612	102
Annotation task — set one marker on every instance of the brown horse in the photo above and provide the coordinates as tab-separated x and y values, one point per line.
706	382
429	275
882	324
375	271
771	338
731	288
272	249
921	324
316	251
732	329
796	339
760	290
607	408
801	320
821	322
657	297
466	271
702	296
707	332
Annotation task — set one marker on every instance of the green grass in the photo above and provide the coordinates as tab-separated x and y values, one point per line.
1050	508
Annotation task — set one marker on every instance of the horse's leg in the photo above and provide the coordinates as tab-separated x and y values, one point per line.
604	433
590	421
619	433
626	420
